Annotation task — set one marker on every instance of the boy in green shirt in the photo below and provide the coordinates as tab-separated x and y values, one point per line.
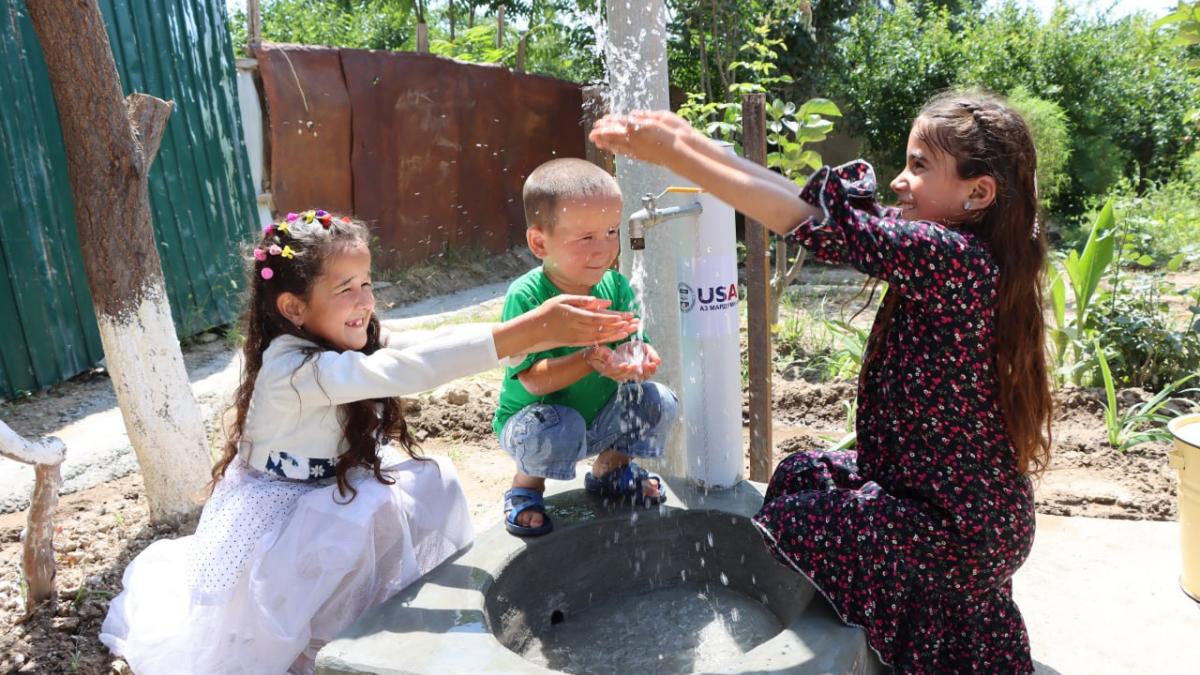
559	406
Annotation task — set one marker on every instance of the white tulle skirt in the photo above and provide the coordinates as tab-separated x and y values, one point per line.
277	568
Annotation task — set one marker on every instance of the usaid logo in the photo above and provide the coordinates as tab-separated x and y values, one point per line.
687	297
708	298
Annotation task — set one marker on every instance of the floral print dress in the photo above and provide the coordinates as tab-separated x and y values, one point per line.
916	535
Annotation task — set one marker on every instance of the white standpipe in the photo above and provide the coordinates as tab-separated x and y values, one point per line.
708	302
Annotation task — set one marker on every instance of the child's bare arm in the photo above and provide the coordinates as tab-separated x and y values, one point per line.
564	320
550	375
662	139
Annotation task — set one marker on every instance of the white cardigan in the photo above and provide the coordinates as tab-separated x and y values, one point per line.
293	428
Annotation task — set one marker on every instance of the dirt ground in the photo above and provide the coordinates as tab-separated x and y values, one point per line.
100	529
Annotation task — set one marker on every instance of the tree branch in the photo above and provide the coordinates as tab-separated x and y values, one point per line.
49	450
148	117
37	561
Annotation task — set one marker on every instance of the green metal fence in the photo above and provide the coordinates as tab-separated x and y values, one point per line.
200	189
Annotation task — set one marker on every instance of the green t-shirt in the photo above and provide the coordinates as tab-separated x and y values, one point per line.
589	394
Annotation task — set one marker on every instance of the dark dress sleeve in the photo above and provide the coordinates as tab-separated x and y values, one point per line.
920	259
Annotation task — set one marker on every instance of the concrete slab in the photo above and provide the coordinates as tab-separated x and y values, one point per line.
1102	597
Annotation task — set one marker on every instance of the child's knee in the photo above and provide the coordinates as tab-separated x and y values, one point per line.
545	440
656	404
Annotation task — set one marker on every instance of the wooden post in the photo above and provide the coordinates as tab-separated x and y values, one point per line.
758	290
110	141
595	106
254	25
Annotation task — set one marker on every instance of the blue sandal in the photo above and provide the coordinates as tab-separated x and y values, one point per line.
626	483
517	500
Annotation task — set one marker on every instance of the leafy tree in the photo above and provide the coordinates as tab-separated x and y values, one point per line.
1121	85
1051	135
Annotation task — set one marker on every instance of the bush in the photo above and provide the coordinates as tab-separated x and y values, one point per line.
1048	123
1122	85
1144	345
1163	222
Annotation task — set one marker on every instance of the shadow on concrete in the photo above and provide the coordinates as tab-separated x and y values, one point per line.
1040	668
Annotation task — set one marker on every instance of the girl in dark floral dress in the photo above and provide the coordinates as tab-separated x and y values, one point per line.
914	537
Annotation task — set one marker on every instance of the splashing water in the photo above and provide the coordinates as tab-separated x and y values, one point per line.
681	629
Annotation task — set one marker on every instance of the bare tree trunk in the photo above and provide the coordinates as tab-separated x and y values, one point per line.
784	275
450	9
705	81
500	26
110	143
37	560
423	38
717	53
522	45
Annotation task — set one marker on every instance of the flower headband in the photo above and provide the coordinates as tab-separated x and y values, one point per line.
274	229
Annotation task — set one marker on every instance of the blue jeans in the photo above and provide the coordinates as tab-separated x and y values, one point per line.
547	440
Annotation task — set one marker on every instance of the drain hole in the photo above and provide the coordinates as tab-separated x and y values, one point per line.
556	617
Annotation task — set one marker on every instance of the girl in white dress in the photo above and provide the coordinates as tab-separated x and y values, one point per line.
315	516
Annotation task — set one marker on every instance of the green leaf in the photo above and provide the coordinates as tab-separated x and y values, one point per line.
811	159
1175	263
1058	296
1145	260
1088	269
819	106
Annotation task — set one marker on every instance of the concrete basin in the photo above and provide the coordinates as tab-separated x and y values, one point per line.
687	587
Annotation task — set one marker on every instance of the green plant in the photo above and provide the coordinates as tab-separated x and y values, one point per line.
844	361
851	408
1186	20
845	443
1083	272
1142	422
1145	345
1161	221
790	129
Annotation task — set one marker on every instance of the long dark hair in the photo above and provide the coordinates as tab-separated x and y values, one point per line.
988	138
295	253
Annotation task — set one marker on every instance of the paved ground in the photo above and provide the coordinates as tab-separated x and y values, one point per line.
1102	596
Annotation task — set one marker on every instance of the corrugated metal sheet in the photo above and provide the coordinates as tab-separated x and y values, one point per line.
200	187
437	150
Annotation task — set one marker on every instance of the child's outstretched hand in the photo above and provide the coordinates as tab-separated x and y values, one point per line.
567	321
640	356
654	136
606	362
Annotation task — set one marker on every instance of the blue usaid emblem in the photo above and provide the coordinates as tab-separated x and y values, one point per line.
707	298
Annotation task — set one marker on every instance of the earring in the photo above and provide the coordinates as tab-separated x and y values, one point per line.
967	205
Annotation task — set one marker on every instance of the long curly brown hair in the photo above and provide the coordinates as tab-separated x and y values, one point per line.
986	137
310	239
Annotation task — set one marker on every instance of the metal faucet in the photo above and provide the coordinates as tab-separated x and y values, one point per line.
650	215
